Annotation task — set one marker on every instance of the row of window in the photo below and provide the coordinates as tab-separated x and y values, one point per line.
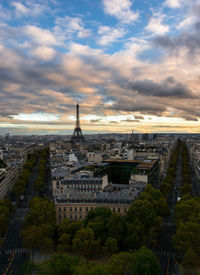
80	209
94	201
78	186
75	209
82	181
83	186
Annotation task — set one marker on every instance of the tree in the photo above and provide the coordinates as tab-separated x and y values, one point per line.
187	236
64	242
18	189
39	183
185	188
63	227
82	269
96	269
116	227
31	238
59	264
121	263
3	223
69	227
42	211
97	219
166	188
29	267
84	242
8	204
99	228
110	246
40	220
6	208
145	262
47	244
155	197
191	261
187	209
103	212
136	235
167	185
143	211
154	232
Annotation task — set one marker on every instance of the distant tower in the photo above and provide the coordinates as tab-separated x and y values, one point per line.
77	135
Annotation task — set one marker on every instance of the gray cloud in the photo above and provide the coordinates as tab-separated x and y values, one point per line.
113	122
130	120
167	88
139	117
139	104
95	120
168	126
189	117
187	40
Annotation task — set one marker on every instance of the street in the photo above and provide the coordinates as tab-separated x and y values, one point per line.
165	251
13	255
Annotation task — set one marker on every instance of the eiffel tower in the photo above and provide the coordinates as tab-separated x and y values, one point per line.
77	135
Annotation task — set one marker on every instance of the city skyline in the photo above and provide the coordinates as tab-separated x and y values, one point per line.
132	65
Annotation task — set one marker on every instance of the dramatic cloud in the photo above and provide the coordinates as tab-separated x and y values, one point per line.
138	104
119	71
168	88
187	41
190	18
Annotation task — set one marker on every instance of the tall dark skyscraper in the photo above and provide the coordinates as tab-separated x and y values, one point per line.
77	135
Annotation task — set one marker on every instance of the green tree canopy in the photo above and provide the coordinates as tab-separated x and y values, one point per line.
136	235
116	227
110	246
96	269
59	264
42	211
69	227
187	236
103	212
190	260
142	210
121	263
31	237
85	243
145	262
64	242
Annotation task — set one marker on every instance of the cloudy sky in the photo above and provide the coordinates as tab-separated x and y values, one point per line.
131	64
